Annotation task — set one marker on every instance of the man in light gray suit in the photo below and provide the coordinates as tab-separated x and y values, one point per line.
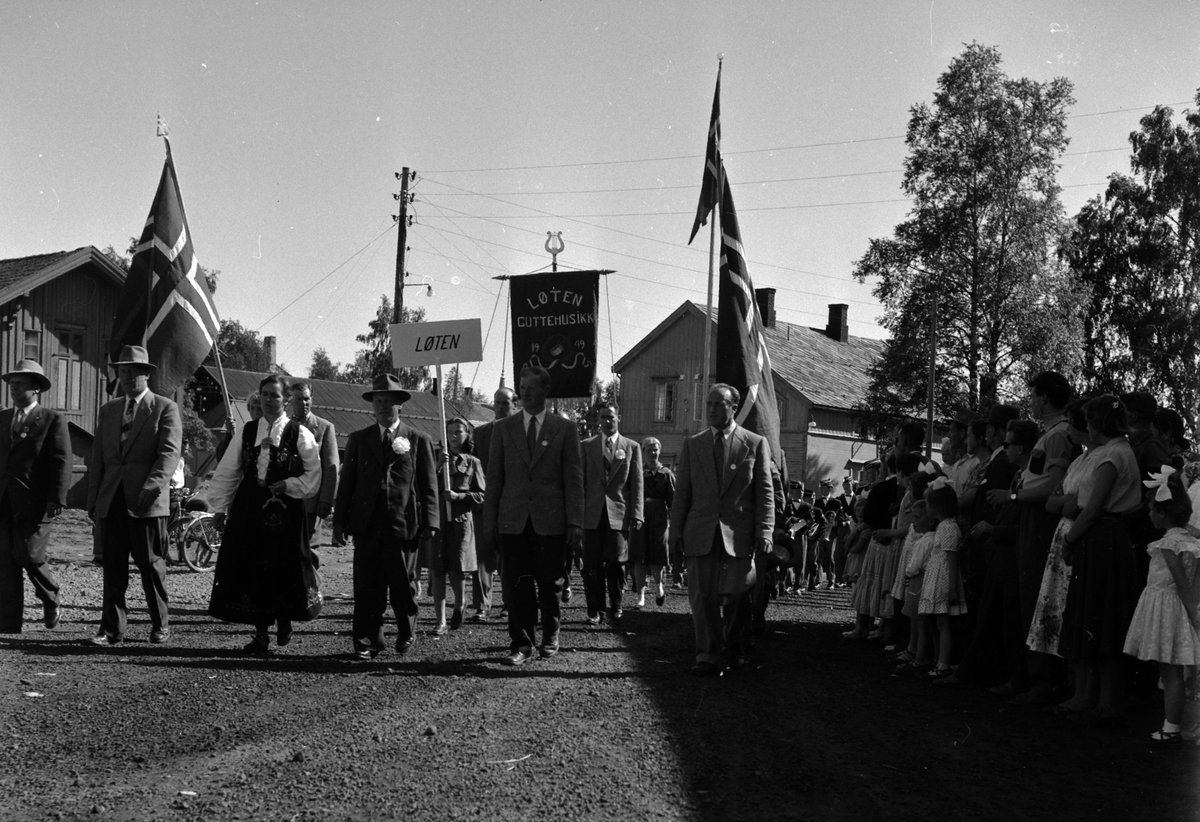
724	514
138	443
320	506
487	557
534	502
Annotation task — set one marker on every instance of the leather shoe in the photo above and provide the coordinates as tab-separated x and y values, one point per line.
660	600
456	620
519	657
365	654
547	651
104	638
614	616
159	636
593	619
403	645
440	630
260	644
53	617
481	616
705	669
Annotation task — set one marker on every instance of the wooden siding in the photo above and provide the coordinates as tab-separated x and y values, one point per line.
80	302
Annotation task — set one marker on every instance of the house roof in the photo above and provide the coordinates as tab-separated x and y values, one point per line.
21	274
826	372
341	403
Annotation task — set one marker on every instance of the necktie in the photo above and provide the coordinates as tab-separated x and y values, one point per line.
386	440
531	435
127	422
719	456
18	419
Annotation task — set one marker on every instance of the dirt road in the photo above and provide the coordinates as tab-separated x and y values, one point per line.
614	728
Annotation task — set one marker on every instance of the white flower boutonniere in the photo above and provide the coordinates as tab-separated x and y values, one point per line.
620	454
401	445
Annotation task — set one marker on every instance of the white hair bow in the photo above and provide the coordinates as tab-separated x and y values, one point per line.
928	468
940	482
1159	481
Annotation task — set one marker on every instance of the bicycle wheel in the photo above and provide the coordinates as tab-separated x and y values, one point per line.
201	541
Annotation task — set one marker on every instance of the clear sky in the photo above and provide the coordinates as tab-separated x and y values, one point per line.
289	120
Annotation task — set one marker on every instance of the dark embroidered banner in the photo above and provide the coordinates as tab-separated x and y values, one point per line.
554	326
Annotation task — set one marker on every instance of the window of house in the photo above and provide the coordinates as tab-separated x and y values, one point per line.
67	370
33	346
664	402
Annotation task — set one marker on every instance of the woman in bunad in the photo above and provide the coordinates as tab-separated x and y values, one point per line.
264	571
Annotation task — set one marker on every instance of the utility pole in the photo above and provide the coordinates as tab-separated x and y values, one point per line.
402	220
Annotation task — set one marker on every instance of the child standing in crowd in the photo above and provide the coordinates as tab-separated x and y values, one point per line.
915	658
856	543
1165	624
452	554
942	593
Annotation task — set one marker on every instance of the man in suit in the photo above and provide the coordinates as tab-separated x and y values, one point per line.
724	512
35	472
388	501
488	559
534	502
612	506
320	506
138	443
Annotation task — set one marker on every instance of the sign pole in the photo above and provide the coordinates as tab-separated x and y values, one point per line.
445	444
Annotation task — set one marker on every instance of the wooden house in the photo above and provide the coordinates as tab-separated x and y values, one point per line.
57	309
820	376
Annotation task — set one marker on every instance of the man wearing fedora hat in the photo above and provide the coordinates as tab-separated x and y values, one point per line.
387	499
137	446
35	471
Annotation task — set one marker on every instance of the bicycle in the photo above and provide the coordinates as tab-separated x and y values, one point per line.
190	529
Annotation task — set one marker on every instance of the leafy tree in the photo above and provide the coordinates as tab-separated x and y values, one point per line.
323	368
196	436
984	222
376	358
240	348
1136	248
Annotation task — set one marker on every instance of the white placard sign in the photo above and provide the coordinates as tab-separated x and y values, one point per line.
436	343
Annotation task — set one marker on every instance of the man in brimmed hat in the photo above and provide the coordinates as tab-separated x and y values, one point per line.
35	473
138	443
387	500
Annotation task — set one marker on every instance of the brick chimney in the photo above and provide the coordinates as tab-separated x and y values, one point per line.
269	346
839	322
765	297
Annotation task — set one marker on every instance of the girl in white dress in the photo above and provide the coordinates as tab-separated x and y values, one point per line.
942	593
1166	621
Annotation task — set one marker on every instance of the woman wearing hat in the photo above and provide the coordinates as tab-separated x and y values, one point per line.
264	569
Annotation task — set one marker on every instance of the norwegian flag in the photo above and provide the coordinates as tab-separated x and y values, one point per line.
710	186
742	358
166	305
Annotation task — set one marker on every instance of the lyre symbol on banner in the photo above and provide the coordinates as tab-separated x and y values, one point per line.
555	246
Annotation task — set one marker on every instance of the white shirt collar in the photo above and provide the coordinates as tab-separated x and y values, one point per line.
27	409
541	418
726	431
270	431
137	400
390	431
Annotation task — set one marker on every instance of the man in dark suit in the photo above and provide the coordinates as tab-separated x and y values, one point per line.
35	471
612	507
724	512
487	557
534	502
138	443
320	506
388	501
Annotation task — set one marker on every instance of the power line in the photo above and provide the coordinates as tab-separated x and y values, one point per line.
797	147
